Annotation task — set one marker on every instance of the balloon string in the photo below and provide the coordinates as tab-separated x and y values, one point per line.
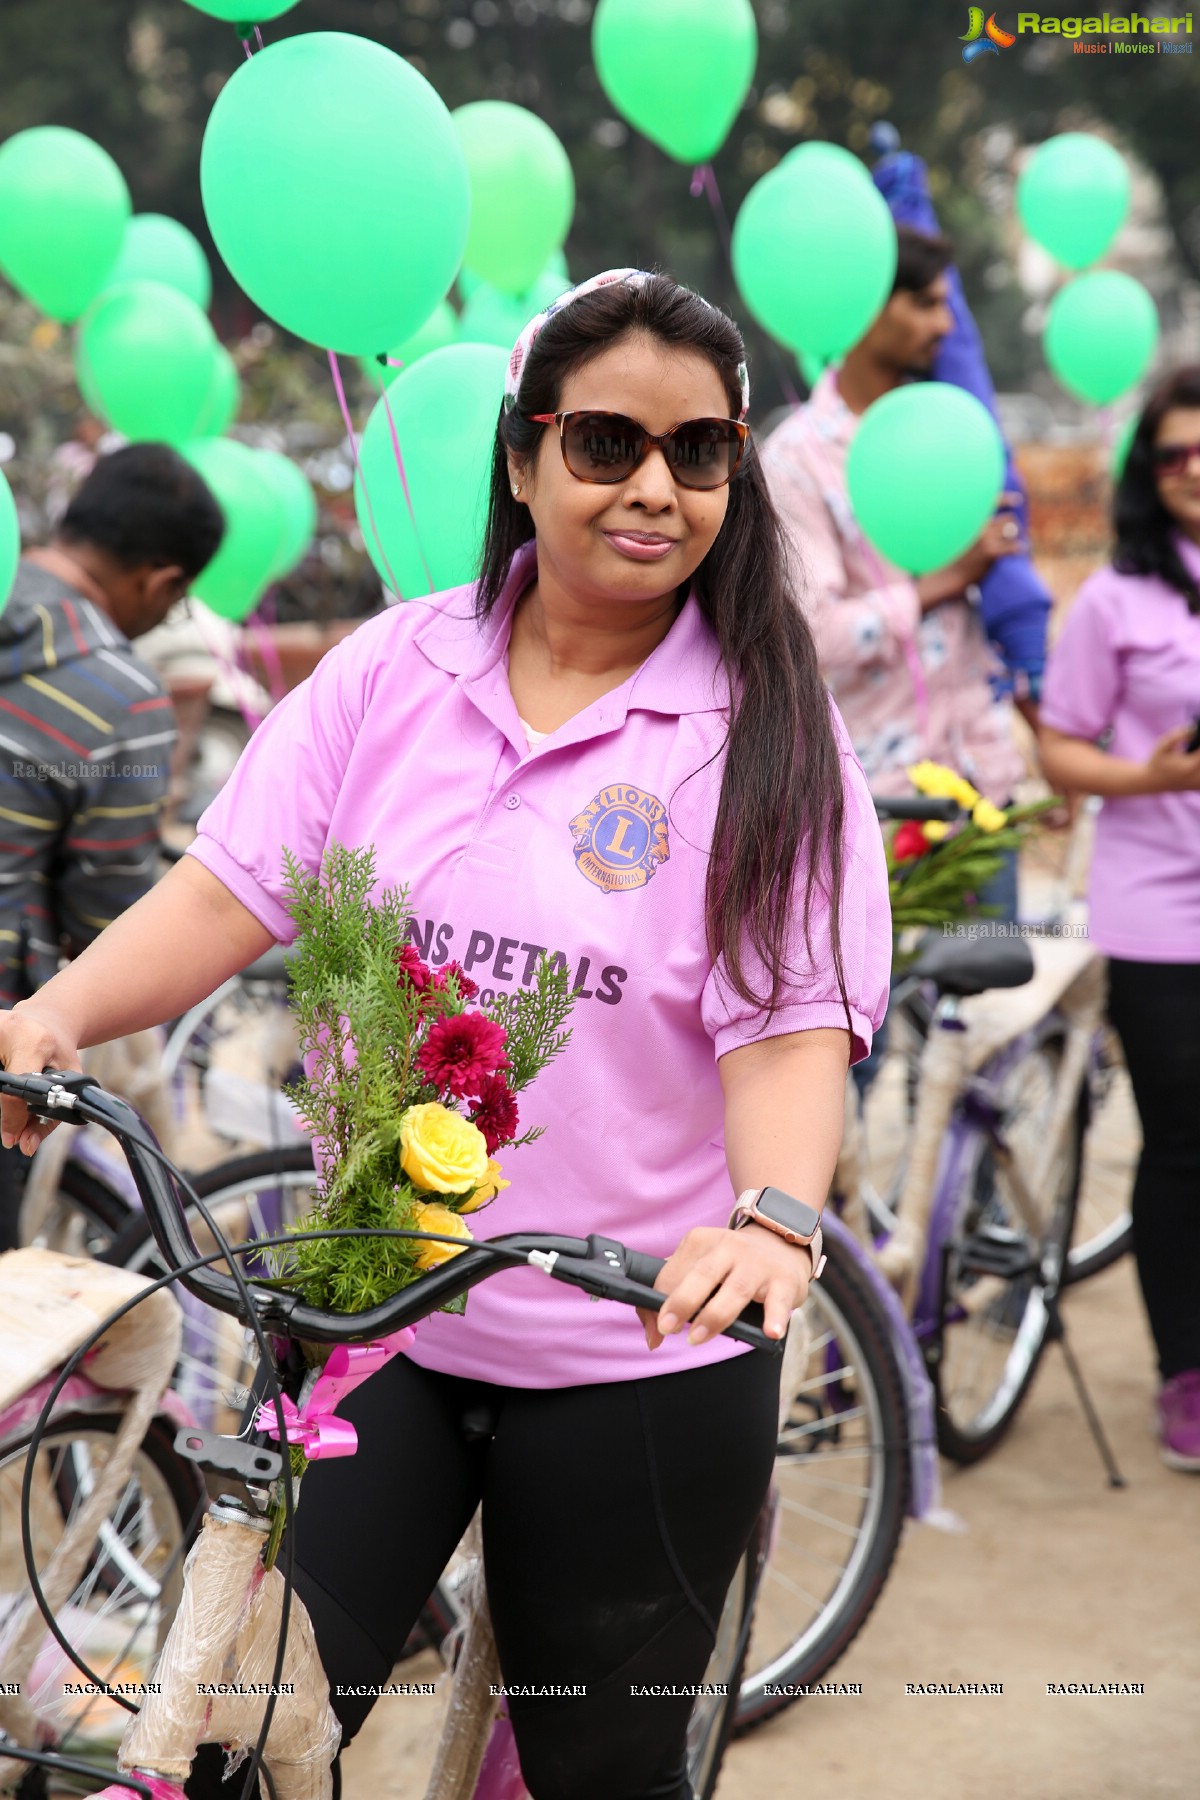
258	37
704	181
247	49
349	424
268	652
387	407
233	671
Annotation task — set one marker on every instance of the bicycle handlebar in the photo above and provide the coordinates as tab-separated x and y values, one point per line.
916	806
602	1267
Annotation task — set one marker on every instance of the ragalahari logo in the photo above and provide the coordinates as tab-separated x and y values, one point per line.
984	39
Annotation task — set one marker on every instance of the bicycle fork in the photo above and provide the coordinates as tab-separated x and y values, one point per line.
215	1670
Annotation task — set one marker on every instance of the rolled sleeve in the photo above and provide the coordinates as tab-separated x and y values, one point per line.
810	998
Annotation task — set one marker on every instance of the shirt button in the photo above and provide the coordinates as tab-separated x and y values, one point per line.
512	802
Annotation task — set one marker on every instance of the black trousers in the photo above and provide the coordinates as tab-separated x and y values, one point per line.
614	1517
14	1173
1155	1008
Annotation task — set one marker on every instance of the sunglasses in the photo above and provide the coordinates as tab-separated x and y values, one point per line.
1172	459
607	447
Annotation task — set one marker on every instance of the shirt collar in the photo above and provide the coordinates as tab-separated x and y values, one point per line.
681	675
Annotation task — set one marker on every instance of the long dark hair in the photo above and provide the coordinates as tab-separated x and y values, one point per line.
781	787
1144	528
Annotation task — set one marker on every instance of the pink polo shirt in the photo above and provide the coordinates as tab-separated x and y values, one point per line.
1128	660
592	844
909	684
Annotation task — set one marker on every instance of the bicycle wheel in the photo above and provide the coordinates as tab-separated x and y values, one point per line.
841	1488
250	1197
121	1610
84	1217
1103	1226
715	1713
999	1264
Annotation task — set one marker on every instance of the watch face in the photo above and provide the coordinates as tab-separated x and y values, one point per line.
794	1215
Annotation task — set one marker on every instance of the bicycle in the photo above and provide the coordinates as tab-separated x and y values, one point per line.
110	1507
235	1600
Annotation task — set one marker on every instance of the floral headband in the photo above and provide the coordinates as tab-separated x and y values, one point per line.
610	277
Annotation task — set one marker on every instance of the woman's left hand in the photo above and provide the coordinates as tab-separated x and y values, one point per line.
714	1274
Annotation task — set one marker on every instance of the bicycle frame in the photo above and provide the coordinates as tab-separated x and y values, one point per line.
233	1603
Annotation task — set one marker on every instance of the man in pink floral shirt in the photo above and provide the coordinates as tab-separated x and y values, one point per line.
906	660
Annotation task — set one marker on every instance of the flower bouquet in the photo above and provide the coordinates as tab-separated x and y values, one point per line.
935	869
408	1090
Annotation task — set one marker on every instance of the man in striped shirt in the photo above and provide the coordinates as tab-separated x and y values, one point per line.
86	728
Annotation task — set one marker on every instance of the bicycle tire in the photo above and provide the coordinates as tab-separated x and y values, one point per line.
215	1369
1103	1224
966	1437
84	1219
709	1738
170	1496
844	1299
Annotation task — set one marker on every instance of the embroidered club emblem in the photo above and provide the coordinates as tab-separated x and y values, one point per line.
620	838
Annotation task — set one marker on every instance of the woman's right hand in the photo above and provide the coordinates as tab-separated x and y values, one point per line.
1168	768
33	1037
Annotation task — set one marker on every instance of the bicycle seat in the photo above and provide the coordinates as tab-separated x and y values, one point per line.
272	965
966	966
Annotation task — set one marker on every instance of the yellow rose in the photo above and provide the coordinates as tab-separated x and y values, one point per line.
436	1217
934	830
491	1185
942	783
988	817
441	1151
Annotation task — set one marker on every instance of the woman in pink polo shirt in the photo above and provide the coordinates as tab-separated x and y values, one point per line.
1127	668
615	746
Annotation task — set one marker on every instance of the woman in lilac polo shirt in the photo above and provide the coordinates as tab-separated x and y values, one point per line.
616	746
1126	668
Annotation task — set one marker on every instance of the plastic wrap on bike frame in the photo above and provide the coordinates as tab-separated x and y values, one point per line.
215	1669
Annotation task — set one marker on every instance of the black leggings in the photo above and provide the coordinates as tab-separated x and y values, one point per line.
614	1517
1155	1008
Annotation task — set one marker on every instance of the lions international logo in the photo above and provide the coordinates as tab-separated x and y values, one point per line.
620	838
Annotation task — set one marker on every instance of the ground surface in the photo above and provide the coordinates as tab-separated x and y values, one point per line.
1055	1578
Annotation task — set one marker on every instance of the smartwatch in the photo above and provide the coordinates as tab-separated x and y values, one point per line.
786	1216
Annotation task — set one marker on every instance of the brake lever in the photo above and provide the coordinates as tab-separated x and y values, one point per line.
603	1276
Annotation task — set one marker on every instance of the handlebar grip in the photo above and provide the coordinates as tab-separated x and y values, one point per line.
643	1268
917	806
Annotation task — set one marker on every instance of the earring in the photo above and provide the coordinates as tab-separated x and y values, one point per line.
516	487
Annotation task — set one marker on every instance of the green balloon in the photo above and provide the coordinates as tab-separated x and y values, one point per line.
224	396
1101	334
439	329
246	563
1073	195
522	192
445	410
924	472
243	12
144	355
677	70
814	250
10	541
156	248
335	186
490	317
298	504
63	211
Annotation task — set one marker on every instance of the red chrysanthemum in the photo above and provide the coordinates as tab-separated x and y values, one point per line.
411	968
462	1051
495	1112
909	841
466	987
